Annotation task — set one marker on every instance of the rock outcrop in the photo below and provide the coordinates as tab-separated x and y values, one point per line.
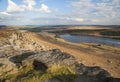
19	49
15	43
51	57
44	59
24	41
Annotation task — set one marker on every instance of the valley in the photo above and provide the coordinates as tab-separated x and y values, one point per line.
44	50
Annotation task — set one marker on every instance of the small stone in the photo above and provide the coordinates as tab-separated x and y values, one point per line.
109	61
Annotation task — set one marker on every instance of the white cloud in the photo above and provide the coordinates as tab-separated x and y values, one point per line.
28	5
80	12
117	1
106	10
13	10
44	8
78	19
82	3
5	13
73	19
13	7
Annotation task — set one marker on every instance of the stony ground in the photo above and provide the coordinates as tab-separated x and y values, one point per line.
19	49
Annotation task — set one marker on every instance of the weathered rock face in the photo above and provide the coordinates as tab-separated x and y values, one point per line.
24	41
16	43
51	57
44	59
7	67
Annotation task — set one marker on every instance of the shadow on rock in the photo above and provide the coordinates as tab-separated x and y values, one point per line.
19	58
39	65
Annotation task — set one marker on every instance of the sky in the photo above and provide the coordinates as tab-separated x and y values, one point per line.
59	12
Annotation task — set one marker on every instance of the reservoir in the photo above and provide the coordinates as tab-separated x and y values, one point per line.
91	39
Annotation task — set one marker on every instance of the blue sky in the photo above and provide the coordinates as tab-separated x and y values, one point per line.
59	12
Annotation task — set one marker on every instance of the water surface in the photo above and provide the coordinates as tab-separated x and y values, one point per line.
91	39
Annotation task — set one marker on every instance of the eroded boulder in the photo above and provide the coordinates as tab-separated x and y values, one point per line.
51	57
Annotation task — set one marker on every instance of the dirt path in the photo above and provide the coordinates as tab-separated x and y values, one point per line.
84	57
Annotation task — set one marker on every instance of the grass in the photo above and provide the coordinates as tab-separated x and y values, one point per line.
28	74
64	73
110	33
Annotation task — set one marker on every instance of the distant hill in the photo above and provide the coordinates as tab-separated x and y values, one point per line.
2	26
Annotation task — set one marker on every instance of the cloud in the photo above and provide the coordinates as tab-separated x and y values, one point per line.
73	19
15	12
4	13
97	10
117	1
75	12
13	20
53	20
12	7
4	16
92	12
78	19
27	6
44	8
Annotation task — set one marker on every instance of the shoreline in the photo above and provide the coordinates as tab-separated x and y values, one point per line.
86	53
